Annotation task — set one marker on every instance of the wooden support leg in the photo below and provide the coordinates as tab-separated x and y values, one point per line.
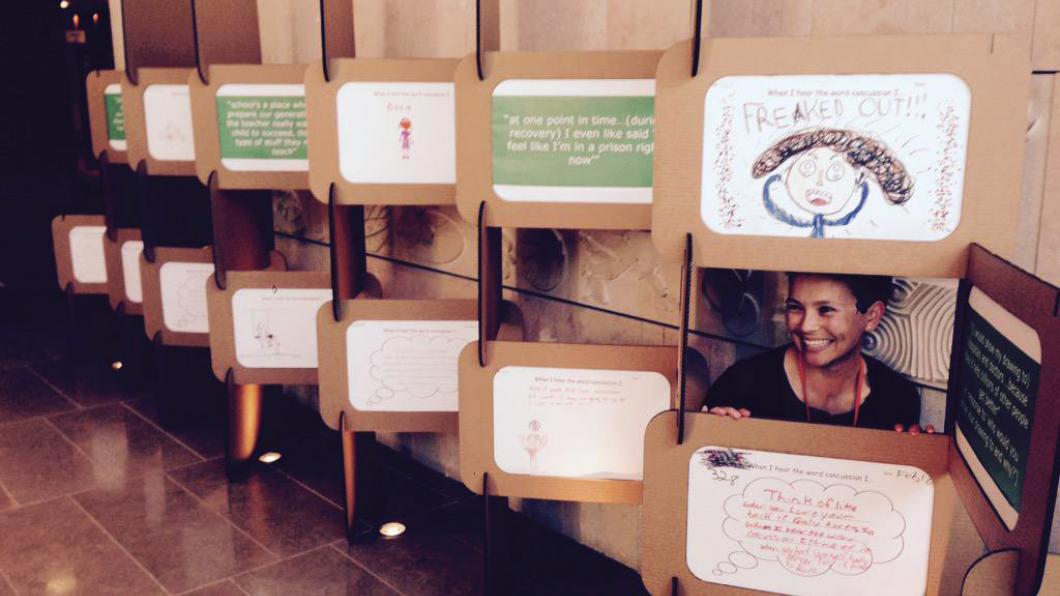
244	423
349	476
495	559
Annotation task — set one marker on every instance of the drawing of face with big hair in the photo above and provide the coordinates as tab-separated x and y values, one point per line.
821	181
825	177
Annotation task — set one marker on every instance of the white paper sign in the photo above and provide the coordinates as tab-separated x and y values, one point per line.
406	366
277	328
397	133
86	254
184	296
167	109
835	156
798	524
574	423
130	270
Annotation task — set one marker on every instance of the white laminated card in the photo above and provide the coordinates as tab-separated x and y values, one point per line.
574	423
184	296
277	328
799	524
406	366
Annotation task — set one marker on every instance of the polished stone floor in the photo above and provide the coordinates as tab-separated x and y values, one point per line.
97	496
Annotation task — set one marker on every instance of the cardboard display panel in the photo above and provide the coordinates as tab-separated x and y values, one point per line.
106	114
124	288
749	504
864	154
391	365
557	140
174	293
1002	408
263	326
383	131
79	258
157	33
559	421
250	126
159	127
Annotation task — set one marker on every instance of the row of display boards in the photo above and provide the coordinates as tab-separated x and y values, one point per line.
888	155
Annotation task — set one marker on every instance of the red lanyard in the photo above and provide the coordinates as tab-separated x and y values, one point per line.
806	396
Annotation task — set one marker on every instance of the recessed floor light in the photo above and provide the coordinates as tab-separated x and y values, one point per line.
392	529
269	457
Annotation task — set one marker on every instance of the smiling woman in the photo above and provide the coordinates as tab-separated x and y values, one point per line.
822	376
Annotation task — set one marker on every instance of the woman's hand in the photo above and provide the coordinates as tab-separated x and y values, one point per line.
915	429
734	413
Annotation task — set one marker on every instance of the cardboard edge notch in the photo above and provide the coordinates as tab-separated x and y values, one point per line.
992	573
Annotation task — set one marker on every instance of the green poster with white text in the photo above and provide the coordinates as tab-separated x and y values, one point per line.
114	112
115	117
262	132
588	141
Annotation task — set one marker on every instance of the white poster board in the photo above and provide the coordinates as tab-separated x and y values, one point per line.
574	423
167	110
799	524
130	270
86	254
397	133
184	296
406	366
868	156
277	328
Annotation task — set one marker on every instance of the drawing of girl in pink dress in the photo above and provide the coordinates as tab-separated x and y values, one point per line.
406	137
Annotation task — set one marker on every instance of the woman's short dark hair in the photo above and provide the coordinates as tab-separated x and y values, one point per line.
867	289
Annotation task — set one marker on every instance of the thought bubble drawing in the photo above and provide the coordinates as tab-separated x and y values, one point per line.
191	299
420	367
811	529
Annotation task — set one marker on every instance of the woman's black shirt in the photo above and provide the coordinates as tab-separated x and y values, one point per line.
760	384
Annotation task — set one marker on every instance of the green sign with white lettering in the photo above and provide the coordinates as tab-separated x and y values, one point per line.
115	116
262	127
572	141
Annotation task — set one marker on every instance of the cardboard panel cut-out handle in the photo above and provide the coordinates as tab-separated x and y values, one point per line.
157	33
224	34
490	277
336	32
